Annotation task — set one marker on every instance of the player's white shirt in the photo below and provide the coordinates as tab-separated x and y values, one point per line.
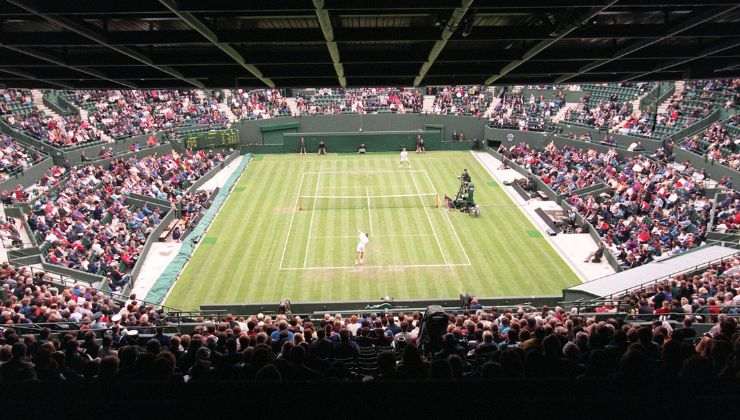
363	240
404	156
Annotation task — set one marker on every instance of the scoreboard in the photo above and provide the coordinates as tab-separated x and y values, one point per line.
215	138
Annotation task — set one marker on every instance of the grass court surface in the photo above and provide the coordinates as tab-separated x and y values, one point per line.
290	226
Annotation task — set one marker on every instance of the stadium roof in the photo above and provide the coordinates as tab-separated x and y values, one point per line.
295	43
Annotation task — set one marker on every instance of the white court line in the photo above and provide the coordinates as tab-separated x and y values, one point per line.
429	218
447	216
290	225
357	197
360	267
310	225
399	235
369	212
368	172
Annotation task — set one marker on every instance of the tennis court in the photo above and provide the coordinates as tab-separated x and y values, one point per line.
395	207
289	229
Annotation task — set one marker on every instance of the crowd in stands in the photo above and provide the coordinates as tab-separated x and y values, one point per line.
62	131
727	215
471	345
696	101
605	114
359	101
10	233
126	113
641	125
258	104
88	224
653	207
461	100
15	158
565	170
693	297
719	142
15	100
512	111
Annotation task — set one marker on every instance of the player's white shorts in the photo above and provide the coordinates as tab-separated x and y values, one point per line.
360	247
405	159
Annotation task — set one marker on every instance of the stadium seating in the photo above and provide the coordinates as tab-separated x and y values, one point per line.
639	220
527	114
361	101
719	142
87	222
258	104
15	101
461	100
83	220
126	340
607	106
14	157
698	99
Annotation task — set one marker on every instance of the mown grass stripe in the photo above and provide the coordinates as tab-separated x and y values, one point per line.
242	265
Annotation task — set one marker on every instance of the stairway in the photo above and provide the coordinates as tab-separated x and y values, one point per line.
225	108
560	116
292	104
427	104
494	103
680	86
38	102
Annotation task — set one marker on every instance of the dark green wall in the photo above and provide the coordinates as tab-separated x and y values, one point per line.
28	176
376	141
251	131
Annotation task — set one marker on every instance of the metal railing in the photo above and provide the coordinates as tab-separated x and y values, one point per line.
666	277
65	281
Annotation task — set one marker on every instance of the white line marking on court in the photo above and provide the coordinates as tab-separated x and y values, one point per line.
290	225
310	224
447	216
369	212
429	218
367	172
360	267
399	235
358	197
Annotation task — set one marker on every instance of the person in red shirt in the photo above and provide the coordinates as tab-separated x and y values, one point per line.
664	309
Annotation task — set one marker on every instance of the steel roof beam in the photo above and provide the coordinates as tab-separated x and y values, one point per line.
100	39
706	53
32	77
543	45
326	28
637	46
198	26
452	24
50	59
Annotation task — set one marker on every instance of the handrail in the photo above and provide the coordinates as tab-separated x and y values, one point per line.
668	276
68	281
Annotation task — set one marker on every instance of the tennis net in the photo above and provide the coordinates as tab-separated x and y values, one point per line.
325	202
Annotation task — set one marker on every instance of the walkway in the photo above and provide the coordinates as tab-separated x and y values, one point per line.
162	253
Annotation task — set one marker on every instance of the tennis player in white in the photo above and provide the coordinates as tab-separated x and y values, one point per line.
405	158
361	245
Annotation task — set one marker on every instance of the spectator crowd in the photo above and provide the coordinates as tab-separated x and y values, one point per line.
651	206
658	342
359	101
15	158
86	222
